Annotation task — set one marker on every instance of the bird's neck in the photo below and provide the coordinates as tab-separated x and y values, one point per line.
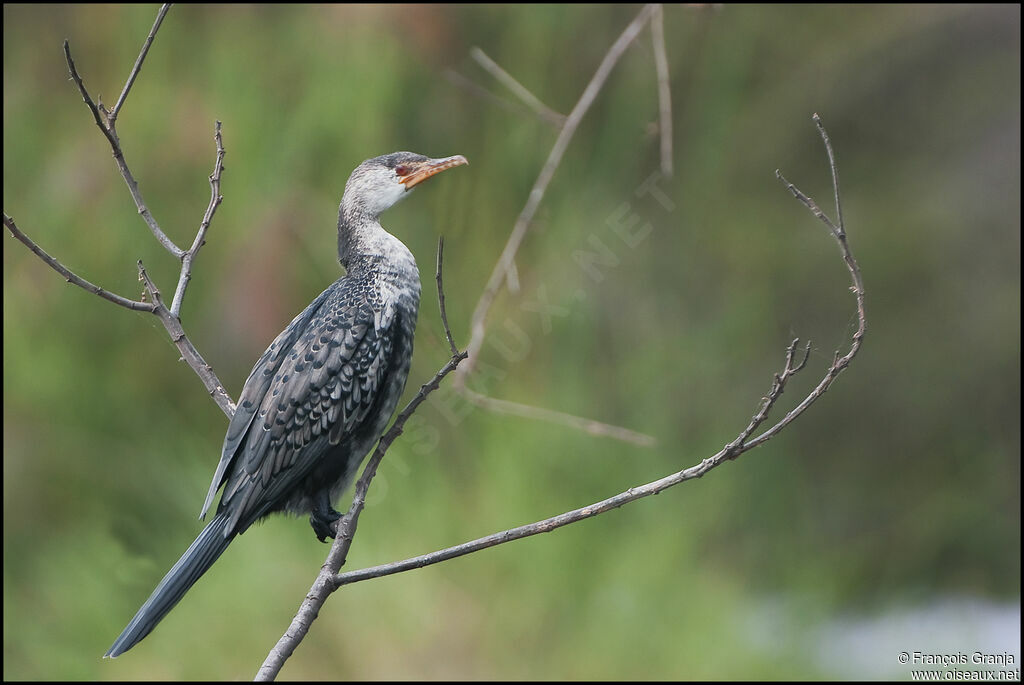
366	249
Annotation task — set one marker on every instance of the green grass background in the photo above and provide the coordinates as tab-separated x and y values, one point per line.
900	487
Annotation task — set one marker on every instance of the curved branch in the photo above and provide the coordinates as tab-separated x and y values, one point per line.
838	231
732	450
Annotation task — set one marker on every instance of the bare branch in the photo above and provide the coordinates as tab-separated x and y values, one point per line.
325	583
588	426
72	277
735	448
110	133
112	117
478	322
839	233
506	79
215	199
168	317
664	94
835	170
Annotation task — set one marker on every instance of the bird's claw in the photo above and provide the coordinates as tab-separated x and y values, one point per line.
325	525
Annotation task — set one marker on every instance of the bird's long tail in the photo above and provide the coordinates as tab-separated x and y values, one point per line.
196	560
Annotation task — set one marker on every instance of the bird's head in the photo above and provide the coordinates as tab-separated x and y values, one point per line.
379	183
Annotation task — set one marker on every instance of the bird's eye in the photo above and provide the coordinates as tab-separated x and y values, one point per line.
403	169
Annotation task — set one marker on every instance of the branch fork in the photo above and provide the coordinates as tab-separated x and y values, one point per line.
151	300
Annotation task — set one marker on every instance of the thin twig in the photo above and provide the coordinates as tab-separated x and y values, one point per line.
507	80
324	584
589	426
462	82
664	94
835	172
440	297
732	450
100	121
72	277
215	199
112	117
483	306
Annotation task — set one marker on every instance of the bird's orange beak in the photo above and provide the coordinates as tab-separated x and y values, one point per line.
415	174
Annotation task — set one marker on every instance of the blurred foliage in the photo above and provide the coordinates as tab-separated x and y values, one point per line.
901	485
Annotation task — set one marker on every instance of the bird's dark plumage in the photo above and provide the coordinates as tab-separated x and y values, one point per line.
323	392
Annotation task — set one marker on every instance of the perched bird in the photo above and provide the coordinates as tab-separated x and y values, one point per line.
323	392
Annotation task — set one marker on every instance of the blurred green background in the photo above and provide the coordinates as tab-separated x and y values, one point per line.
895	501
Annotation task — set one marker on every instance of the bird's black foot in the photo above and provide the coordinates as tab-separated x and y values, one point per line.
324	518
325	525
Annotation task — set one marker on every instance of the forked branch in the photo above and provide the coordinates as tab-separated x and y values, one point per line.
154	304
107	126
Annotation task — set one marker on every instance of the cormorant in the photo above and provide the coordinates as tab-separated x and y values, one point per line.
323	392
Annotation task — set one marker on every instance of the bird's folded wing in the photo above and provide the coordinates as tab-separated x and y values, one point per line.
310	391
